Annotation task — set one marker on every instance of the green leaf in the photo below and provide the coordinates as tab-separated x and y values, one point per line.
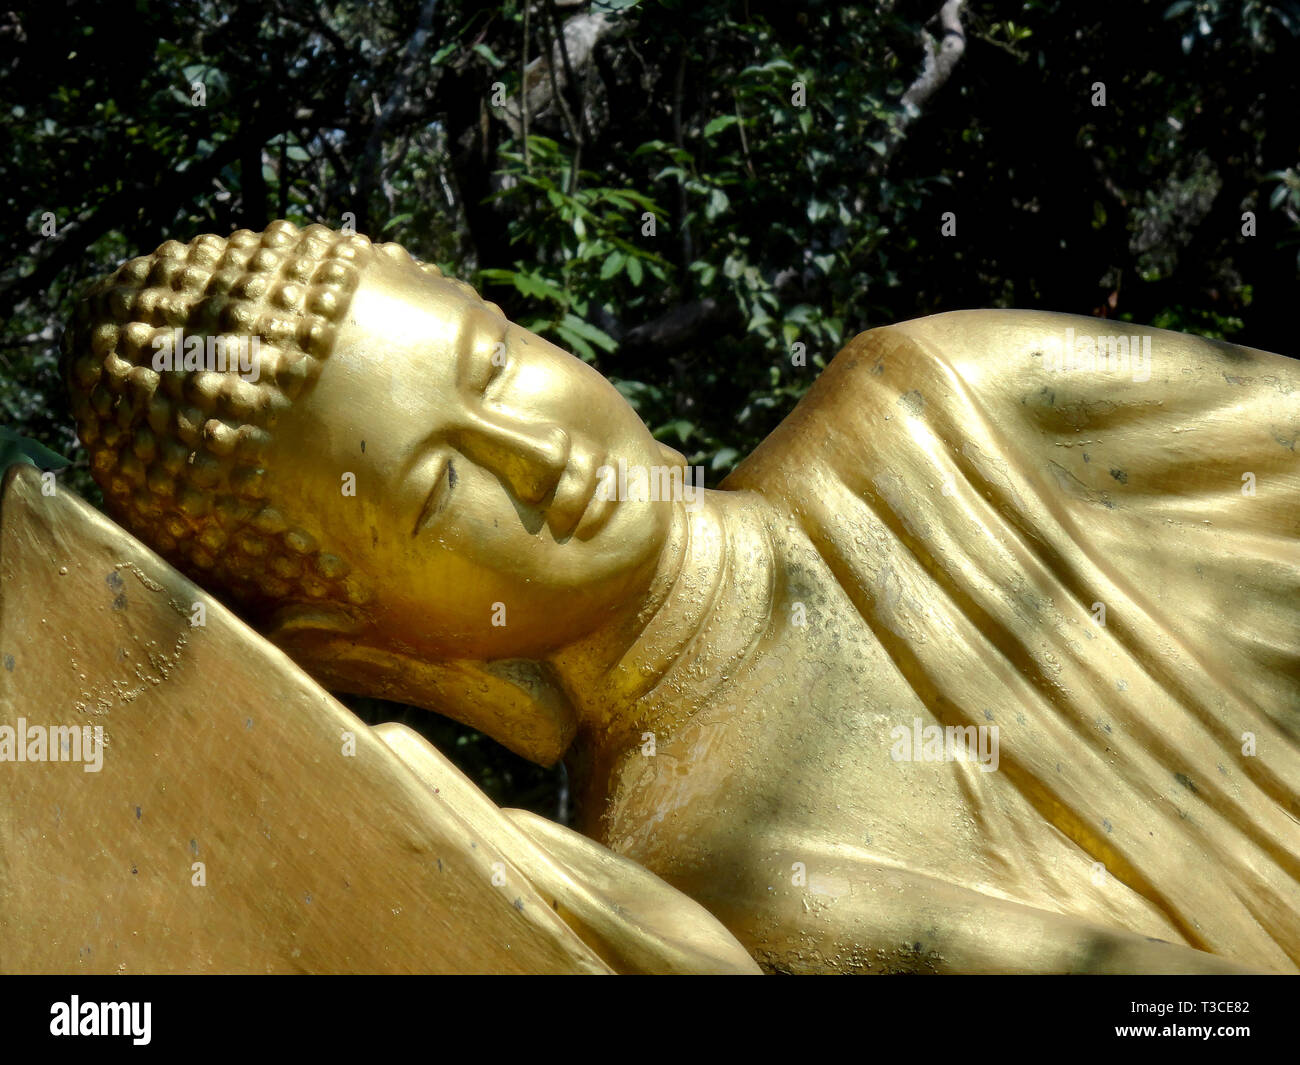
651	146
15	448
487	53
724	458
718	124
707	272
612	265
634	272
589	332
536	286
575	342
637	393
680	428
718	203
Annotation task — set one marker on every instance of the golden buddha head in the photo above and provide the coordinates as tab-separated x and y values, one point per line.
400	469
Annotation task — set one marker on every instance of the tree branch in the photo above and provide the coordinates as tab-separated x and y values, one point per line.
937	67
119	208
368	177
939	64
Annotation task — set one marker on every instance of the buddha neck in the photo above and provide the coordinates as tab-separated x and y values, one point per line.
707	609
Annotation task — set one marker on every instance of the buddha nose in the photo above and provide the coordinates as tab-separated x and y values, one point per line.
530	459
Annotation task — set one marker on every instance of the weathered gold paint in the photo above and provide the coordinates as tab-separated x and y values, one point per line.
242	820
925	541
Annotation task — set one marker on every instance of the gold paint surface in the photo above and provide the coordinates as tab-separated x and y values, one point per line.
957	528
223	762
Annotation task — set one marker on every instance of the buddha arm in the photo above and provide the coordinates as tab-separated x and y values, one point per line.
633	920
861	917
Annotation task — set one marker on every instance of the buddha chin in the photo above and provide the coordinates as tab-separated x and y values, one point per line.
406	501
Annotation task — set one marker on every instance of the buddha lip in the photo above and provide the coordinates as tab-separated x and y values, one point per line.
596	512
594	516
571	516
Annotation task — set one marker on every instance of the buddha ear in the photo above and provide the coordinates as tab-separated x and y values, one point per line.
518	702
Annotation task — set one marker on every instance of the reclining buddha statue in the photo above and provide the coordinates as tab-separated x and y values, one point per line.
986	660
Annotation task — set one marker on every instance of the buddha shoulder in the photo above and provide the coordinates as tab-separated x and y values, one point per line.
1018	345
1036	376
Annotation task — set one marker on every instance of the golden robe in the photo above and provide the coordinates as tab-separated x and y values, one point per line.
1105	564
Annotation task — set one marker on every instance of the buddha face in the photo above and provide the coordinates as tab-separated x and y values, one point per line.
452	457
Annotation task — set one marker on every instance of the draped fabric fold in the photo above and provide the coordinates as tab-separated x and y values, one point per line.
1078	555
